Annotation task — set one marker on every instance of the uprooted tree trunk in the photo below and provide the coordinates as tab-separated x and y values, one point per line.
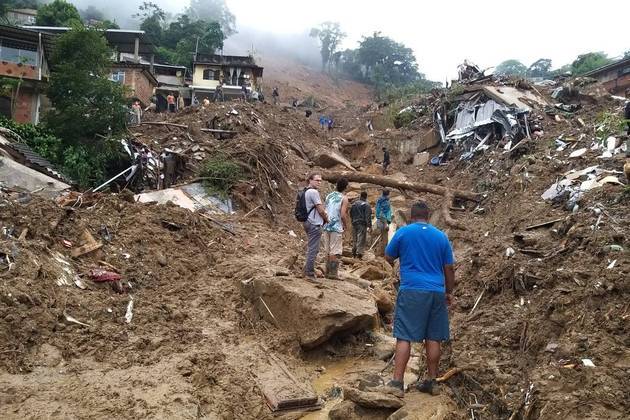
448	193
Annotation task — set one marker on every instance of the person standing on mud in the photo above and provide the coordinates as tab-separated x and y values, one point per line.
383	219
275	95
337	210
361	216
313	225
170	100
136	109
386	160
427	281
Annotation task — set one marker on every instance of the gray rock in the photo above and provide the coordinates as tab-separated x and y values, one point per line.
372	399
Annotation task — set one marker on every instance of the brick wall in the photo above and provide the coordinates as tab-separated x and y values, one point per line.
618	85
25	106
139	85
8	68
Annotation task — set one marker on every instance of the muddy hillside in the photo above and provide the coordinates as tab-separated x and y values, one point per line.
170	294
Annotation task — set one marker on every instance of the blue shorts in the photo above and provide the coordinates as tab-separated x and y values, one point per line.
420	316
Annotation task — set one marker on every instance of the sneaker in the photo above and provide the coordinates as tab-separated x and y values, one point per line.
395	388
428	386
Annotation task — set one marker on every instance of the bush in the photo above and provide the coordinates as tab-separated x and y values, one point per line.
221	174
86	164
403	119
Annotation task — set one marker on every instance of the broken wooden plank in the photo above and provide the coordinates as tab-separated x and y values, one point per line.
543	224
90	245
85	249
282	390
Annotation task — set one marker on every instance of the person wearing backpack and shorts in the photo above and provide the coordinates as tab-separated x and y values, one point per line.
310	211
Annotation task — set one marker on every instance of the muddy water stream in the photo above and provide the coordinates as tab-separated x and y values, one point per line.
337	374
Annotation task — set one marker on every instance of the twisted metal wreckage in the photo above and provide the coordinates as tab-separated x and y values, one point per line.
483	114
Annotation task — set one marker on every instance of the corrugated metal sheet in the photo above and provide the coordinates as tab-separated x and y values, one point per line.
37	162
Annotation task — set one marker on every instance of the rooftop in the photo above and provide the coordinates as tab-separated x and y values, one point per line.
611	66
123	39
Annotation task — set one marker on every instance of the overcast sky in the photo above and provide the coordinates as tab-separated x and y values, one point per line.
444	33
441	33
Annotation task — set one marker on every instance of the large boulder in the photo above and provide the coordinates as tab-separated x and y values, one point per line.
315	312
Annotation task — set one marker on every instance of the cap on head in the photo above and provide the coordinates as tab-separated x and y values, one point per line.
385	192
363	195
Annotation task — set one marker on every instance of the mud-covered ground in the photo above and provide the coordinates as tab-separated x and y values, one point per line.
521	327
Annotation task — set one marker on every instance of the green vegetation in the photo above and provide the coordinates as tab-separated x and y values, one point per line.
609	124
178	40
539	68
511	68
589	61
330	36
86	164
58	13
88	108
220	174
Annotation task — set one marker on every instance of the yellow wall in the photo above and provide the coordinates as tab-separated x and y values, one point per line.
198	76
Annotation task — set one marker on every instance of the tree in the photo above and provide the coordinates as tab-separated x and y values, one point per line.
58	13
511	68
539	68
213	11
183	37
330	36
589	61
151	18
387	63
85	102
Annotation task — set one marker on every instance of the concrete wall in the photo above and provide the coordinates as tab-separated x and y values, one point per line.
198	76
8	68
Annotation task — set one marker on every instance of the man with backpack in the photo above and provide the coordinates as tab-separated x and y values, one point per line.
337	210
361	216
310	211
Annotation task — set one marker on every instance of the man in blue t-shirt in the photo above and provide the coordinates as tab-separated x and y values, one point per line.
427	280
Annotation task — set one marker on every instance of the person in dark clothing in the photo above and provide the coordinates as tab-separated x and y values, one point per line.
385	160
626	115
275	95
361	217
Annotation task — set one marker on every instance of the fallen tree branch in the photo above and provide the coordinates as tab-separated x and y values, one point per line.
446	212
163	123
205	130
403	185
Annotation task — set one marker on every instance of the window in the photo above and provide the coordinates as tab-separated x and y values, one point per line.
208	74
118	77
18	52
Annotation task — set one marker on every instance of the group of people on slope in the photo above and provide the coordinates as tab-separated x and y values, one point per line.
427	276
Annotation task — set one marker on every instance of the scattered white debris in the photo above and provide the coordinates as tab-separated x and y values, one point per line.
79	283
74	320
129	313
588	363
509	252
578	152
612	264
291	233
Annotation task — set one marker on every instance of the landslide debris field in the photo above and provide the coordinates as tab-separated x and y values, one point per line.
176	313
